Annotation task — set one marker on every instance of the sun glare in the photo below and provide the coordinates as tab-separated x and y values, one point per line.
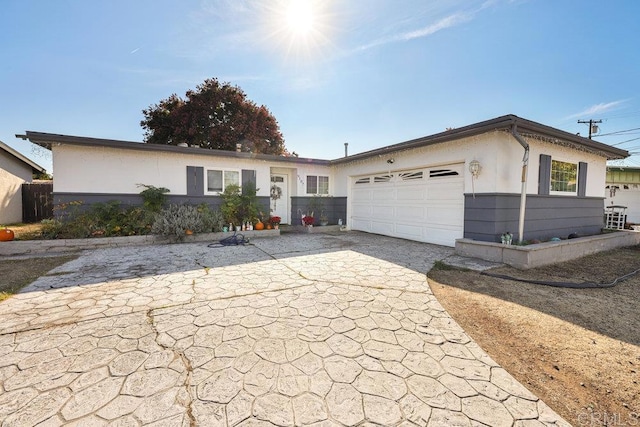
299	29
300	17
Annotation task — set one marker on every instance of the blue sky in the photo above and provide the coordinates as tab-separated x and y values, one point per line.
367	72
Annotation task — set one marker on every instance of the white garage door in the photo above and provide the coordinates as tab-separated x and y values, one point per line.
426	205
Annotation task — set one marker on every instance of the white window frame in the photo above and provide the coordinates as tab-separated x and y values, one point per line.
225	182
563	192
321	188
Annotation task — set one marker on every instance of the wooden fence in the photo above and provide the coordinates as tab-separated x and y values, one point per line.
37	201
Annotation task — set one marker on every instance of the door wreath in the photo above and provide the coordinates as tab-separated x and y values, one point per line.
276	193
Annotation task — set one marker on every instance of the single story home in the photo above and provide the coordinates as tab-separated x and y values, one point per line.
623	189
506	174
15	170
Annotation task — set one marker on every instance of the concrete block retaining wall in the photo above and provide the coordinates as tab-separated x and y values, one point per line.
28	247
525	257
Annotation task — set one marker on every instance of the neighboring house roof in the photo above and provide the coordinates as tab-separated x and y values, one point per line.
524	127
623	175
33	165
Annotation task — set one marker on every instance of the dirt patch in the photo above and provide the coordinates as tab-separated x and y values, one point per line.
577	349
18	273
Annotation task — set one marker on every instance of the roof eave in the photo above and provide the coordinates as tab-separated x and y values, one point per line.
499	123
33	165
47	139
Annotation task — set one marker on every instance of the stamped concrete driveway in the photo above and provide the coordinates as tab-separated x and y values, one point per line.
323	330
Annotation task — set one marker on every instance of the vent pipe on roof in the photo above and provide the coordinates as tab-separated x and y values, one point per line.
346	149
523	194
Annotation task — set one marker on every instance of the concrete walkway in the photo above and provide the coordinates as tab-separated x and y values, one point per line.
320	329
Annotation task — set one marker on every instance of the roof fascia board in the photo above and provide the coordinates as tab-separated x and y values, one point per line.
47	139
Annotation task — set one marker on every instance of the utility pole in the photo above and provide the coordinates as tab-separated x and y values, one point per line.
592	125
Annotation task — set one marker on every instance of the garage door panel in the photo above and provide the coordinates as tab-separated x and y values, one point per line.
361	194
384	194
362	210
383	212
362	225
381	227
409	230
410	213
412	193
444	192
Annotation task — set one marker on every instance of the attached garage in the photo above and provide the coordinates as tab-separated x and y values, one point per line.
426	204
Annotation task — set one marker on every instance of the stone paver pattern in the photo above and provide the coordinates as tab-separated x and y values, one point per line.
299	330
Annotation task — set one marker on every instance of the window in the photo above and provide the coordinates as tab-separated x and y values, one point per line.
382	178
434	173
218	180
366	180
564	177
317	184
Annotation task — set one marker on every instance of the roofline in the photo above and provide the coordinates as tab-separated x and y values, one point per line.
33	165
499	123
48	139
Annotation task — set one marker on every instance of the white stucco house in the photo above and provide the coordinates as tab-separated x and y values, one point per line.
623	189
15	170
478	181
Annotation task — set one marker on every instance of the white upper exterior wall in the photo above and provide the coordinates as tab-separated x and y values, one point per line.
500	157
97	169
13	173
82	169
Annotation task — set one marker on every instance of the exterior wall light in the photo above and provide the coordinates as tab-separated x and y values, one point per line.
474	168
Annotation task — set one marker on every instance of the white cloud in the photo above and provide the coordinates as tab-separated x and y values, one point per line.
442	24
596	109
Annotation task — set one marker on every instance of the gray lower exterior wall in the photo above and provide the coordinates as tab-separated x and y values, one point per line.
335	208
488	216
127	200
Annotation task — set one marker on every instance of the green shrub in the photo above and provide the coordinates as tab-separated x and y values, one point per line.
153	197
240	204
212	220
176	219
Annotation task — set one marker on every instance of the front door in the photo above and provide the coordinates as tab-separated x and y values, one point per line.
280	198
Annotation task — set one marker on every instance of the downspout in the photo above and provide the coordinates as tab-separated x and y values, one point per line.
523	194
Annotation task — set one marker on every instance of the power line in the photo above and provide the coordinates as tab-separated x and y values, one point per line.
618	132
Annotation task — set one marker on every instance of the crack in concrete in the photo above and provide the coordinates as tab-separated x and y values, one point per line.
185	362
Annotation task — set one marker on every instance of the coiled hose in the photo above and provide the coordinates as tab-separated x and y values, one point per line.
235	240
583	285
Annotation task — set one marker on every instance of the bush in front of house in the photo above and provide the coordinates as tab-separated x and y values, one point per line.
99	220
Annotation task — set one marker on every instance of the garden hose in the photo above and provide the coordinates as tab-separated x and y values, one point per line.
583	285
235	240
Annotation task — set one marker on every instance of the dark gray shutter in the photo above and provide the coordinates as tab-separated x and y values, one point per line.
195	181
544	175
248	179
582	179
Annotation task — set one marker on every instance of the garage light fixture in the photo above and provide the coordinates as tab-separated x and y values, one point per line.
474	168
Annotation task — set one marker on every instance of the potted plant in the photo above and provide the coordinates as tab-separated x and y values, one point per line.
275	221
307	220
324	219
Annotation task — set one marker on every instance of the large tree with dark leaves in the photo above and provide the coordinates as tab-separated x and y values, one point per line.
216	116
